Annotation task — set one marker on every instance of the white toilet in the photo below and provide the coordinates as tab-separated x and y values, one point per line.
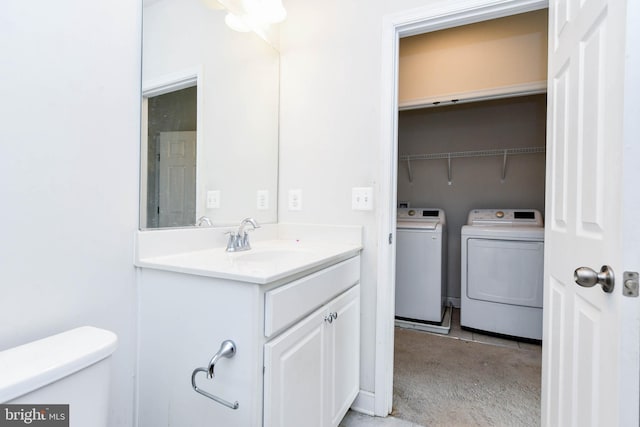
68	368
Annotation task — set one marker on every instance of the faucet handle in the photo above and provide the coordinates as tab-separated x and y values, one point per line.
233	241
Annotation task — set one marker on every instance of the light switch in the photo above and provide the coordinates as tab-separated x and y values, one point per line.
213	199
295	200
362	198
262	200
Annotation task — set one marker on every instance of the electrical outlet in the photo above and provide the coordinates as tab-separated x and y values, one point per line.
362	198
213	199
295	200
262	200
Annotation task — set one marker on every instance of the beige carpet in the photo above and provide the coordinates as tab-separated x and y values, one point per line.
442	381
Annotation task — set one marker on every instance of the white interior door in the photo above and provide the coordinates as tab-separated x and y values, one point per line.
584	368
177	170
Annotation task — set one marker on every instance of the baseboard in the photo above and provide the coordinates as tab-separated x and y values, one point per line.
453	301
364	403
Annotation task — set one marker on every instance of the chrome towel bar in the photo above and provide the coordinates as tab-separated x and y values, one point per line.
227	350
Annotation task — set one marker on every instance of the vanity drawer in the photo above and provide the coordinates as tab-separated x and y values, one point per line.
288	303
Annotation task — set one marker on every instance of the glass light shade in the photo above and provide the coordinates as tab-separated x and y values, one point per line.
265	11
213	4
236	23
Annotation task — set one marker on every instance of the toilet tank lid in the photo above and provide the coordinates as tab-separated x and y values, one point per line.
34	365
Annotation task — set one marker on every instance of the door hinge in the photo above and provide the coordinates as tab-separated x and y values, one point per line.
630	284
390	238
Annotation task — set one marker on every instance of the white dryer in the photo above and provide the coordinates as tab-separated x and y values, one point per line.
421	264
502	252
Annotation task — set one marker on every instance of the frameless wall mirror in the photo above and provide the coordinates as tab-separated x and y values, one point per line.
209	118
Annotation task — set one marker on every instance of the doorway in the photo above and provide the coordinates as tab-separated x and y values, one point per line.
458	156
395	27
593	330
171	146
171	150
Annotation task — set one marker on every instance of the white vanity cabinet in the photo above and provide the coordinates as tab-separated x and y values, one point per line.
291	368
312	369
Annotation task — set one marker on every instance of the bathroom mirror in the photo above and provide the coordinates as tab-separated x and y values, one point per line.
209	118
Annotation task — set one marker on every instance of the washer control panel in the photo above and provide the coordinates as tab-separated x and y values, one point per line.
420	215
517	217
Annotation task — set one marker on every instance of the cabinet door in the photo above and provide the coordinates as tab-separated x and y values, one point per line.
295	376
343	355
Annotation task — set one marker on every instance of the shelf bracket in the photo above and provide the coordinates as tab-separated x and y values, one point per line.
449	168
504	167
409	170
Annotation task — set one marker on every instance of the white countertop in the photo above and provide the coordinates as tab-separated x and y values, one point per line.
268	260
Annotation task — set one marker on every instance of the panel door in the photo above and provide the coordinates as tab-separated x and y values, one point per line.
177	170
584	370
295	377
343	354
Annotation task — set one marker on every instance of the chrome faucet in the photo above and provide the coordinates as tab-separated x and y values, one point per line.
204	221
239	241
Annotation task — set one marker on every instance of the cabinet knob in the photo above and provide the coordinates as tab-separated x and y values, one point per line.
331	317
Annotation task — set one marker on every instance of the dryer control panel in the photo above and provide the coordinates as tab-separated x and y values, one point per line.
519	217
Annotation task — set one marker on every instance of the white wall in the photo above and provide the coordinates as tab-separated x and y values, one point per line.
69	132
330	124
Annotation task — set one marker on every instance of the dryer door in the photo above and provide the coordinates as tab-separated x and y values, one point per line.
505	271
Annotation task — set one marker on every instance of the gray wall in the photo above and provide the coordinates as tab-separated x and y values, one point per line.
476	182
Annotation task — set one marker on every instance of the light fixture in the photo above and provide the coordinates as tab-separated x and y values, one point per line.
265	11
236	23
213	4
251	15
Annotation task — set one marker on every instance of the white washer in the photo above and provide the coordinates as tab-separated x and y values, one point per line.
421	264
502	253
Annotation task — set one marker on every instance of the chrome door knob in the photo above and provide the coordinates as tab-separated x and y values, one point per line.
587	278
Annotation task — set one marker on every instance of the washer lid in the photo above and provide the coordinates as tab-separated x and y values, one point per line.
417	225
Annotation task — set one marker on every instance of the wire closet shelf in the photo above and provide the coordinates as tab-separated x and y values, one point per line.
505	152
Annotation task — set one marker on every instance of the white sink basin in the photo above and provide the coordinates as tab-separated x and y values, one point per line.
268	261
272	256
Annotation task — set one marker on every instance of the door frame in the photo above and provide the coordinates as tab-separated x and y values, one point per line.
159	86
441	15
629	211
446	14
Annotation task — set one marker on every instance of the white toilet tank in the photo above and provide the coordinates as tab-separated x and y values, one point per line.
71	368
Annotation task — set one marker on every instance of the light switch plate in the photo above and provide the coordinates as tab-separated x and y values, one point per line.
295	200
262	200
213	199
362	198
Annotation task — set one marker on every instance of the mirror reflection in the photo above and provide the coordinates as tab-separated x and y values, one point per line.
210	118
